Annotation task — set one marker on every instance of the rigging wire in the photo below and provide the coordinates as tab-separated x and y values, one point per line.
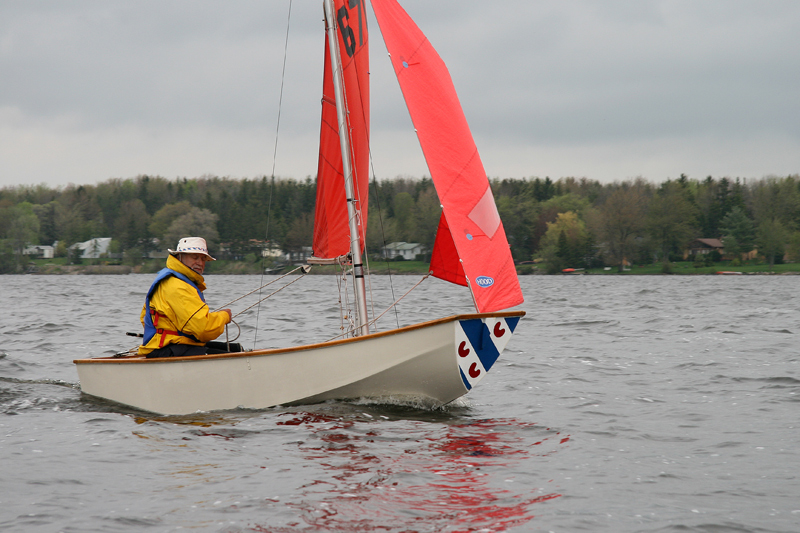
374	320
426	276
274	160
383	235
305	269
345	311
271	294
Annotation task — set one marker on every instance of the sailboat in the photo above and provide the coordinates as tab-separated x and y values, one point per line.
432	362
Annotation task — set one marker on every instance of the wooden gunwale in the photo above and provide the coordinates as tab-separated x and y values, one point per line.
275	351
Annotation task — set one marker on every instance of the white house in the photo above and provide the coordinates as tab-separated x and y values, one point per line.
40	251
406	250
299	256
93	248
272	251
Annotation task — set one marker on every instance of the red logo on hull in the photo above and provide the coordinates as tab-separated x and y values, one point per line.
498	330
474	371
463	351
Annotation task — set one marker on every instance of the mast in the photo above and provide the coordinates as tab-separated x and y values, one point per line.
362	328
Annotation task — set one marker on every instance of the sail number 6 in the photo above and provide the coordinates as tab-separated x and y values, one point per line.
348	35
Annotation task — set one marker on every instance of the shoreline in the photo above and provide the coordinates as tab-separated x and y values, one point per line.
417	268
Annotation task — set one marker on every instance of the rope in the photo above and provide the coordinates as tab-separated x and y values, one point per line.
280	98
301	267
237	334
345	311
383	234
269	295
426	276
274	160
371	322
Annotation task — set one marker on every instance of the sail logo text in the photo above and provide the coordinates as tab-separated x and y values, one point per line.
484	281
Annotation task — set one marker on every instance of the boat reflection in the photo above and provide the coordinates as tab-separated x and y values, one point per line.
418	475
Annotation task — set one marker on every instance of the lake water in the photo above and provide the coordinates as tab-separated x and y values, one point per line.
653	404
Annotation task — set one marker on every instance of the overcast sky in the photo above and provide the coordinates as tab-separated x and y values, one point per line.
609	90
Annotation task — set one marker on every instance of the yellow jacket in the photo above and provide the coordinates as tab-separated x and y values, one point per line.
178	307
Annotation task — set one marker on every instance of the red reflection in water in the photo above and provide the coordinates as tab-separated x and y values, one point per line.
424	477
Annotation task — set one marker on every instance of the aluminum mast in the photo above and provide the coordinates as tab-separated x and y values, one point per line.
347	169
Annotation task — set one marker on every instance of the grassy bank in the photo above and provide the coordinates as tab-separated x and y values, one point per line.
61	266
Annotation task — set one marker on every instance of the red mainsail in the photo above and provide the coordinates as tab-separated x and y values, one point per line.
471	246
331	231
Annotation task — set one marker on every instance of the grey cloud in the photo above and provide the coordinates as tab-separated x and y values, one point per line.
530	74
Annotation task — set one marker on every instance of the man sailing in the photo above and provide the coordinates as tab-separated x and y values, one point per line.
176	319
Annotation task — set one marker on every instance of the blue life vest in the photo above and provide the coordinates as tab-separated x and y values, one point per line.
150	328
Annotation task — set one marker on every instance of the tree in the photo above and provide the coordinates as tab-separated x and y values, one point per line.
619	222
46	213
427	212
130	228
381	230
771	238
403	207
776	199
543	190
564	244
195	223
164	217
519	214
22	229
670	220
714	200
563	251
738	232
78	215
300	234
8	262
549	210
793	246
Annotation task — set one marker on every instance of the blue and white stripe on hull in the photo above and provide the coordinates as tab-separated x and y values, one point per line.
479	342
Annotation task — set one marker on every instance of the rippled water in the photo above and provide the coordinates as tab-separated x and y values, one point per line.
665	404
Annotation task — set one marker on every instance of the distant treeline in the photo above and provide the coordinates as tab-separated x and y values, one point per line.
565	223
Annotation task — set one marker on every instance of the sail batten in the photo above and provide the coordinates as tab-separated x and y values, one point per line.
471	246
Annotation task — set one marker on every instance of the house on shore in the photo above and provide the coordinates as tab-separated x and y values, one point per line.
706	246
40	251
407	250
93	248
703	247
297	257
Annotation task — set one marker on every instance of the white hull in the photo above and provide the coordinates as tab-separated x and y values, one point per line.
435	362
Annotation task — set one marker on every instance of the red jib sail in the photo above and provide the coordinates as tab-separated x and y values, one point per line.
331	230
471	247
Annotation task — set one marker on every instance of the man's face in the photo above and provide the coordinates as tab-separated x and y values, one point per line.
196	262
